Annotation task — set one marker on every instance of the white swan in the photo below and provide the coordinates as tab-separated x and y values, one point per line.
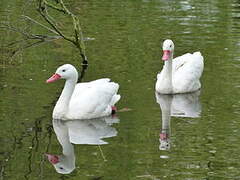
179	75
83	100
88	131
177	105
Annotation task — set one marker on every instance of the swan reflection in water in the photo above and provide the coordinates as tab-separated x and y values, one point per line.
178	105
90	131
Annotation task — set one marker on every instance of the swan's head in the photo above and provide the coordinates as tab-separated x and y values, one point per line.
62	164
168	48
66	71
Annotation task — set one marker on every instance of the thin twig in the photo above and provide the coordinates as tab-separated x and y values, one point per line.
65	8
14	42
12	28
46	17
28	36
26	47
49	29
54	7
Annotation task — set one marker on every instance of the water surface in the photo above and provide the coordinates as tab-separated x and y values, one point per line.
127	48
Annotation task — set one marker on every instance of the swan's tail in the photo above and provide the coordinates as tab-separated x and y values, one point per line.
115	99
197	53
113	90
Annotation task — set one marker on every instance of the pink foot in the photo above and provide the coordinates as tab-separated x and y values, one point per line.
114	110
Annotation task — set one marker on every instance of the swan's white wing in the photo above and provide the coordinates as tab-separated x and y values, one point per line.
187	72
85	86
188	63
180	61
92	101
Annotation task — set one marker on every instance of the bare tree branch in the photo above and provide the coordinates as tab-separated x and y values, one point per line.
54	7
42	9
77	40
31	39
27	35
36	22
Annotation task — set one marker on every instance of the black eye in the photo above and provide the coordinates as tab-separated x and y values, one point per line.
61	167
170	45
63	70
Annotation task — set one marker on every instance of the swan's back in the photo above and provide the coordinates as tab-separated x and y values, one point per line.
84	86
187	70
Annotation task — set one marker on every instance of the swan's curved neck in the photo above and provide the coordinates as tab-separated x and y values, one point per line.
167	72
168	66
65	97
67	91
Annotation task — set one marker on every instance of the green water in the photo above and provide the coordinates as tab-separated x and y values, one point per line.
127	48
